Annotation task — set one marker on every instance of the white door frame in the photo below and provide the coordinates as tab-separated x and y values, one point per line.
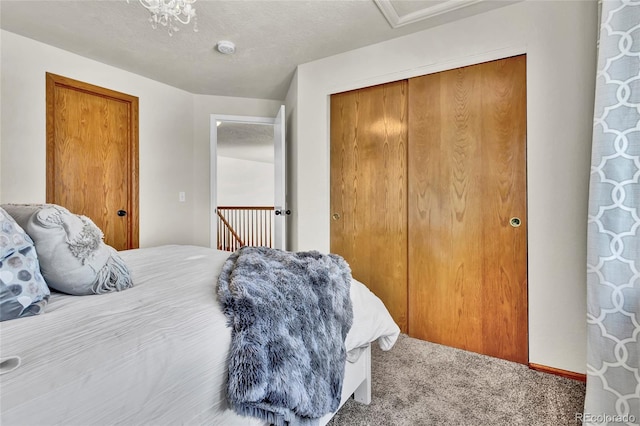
280	181
213	162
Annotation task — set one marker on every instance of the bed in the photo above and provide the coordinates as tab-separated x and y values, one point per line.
156	353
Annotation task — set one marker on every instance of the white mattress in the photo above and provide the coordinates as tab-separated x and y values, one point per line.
154	354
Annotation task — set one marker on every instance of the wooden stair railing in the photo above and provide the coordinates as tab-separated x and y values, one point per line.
228	239
240	226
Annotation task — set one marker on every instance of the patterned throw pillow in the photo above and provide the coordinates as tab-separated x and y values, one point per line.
73	257
23	291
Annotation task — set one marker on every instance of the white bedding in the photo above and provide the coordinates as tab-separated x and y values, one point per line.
153	354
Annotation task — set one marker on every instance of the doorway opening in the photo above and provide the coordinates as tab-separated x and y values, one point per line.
246	165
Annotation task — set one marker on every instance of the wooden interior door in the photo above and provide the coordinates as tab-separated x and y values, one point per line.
92	156
368	189
467	180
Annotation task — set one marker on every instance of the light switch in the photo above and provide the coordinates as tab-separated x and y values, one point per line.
182	197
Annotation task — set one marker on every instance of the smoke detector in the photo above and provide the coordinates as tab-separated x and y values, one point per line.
226	47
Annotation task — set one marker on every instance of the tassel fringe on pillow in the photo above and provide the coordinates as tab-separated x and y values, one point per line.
113	276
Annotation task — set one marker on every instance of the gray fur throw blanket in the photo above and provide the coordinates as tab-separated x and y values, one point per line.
289	314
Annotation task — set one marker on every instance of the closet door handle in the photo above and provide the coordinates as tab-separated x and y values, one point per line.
122	213
515	222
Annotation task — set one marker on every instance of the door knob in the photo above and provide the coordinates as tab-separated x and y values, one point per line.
278	212
515	222
122	212
335	216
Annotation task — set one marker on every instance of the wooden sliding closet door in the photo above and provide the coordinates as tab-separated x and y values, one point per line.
368	189
467	181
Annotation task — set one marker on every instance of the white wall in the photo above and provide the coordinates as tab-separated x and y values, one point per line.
165	126
204	106
244	183
559	40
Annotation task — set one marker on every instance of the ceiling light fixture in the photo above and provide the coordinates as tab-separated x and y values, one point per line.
226	47
169	12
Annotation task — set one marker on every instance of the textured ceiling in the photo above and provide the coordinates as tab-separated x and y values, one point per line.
271	37
235	138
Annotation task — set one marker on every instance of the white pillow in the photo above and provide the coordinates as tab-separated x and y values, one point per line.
73	257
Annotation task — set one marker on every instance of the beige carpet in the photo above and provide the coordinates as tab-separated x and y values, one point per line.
421	383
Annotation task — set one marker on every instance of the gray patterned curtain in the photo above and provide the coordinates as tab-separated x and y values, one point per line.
613	263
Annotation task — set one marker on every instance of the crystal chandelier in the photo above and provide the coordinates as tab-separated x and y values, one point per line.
169	12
